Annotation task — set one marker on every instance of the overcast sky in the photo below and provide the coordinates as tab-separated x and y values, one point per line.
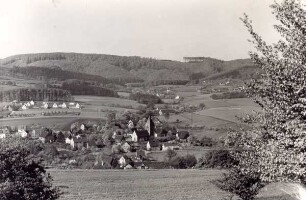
167	29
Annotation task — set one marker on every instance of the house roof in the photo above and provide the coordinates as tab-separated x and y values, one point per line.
142	133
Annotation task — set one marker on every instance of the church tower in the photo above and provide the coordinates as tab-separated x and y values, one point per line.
150	127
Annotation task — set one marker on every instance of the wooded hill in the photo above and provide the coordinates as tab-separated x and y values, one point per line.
123	69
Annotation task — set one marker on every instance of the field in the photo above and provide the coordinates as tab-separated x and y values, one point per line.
147	184
94	108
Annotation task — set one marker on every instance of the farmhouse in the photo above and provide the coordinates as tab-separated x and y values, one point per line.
32	103
54	105
140	135
124	161
170	146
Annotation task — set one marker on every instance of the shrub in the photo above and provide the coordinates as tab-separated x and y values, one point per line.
216	159
246	186
183	162
22	177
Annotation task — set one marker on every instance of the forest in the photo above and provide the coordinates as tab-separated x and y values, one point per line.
35	94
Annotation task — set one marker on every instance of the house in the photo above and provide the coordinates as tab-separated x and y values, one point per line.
54	105
2	135
46	105
124	161
126	147
152	145
171	146
24	107
22	131
182	135
63	105
78	106
79	141
140	135
68	138
46	136
28	104
160	112
32	103
131	124
128	166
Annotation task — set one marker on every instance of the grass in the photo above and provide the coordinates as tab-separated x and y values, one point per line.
146	184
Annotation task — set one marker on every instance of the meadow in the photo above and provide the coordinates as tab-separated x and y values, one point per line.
147	184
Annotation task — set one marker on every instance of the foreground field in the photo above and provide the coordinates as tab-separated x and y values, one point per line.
146	184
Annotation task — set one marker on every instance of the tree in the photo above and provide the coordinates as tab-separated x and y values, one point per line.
21	176
274	149
281	92
170	154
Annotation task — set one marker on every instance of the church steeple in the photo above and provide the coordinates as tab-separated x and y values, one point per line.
150	127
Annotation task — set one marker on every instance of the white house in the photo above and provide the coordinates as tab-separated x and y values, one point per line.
32	103
177	97
148	146
2	135
54	105
64	105
24	107
131	124
71	104
123	161
77	106
23	133
45	105
160	112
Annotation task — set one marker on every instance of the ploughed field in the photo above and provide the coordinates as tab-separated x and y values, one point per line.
145	184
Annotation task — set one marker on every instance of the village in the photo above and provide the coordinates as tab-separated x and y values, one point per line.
124	142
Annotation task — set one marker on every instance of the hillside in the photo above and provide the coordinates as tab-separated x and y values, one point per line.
127	69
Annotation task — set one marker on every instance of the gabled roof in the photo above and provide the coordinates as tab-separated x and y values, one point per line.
142	133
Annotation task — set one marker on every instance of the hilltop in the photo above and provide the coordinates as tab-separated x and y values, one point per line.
125	69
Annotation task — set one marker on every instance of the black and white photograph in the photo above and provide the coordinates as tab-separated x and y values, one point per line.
153	100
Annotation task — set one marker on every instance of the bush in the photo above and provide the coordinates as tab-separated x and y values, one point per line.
216	159
183	162
22	177
246	186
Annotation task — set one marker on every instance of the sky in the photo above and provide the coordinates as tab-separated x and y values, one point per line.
163	29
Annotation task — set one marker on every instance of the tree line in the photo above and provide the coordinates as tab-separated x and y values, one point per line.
35	94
